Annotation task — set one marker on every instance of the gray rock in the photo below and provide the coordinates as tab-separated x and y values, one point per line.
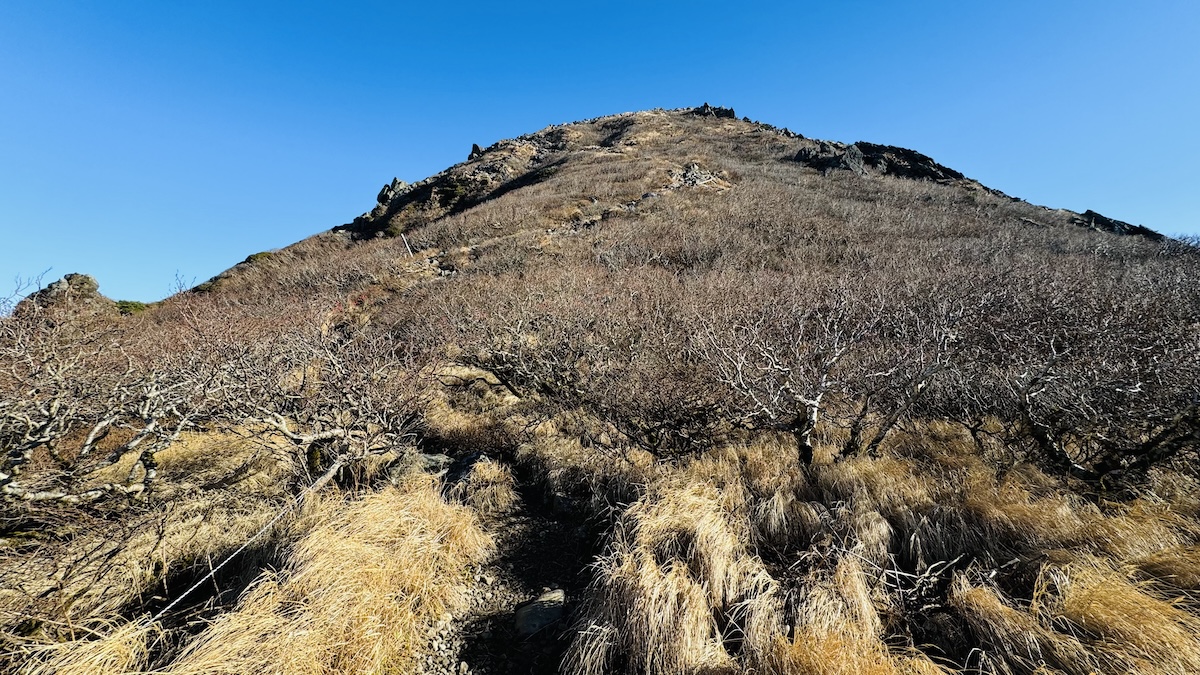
476	151
418	461
73	295
546	610
853	160
392	190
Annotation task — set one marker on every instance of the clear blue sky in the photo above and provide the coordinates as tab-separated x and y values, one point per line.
139	140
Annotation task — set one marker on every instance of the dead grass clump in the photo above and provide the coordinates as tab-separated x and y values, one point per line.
1176	567
893	486
1009	513
837	630
595	480
107	568
816	652
783	520
1021	642
357	594
1123	618
489	488
675	575
105	650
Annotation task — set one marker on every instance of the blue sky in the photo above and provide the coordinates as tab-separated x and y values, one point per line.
144	140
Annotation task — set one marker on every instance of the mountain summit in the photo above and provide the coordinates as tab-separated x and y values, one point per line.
659	392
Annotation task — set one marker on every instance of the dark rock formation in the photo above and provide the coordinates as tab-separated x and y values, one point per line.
865	158
476	151
542	612
826	156
707	110
890	160
1094	221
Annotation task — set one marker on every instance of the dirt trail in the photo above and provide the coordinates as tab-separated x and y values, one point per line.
538	550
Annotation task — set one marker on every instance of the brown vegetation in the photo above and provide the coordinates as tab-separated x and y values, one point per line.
816	421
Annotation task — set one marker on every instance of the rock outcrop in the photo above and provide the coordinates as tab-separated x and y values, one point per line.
865	158
707	110
1094	221
74	294
392	190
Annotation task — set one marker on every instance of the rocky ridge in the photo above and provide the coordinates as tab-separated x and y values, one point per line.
526	160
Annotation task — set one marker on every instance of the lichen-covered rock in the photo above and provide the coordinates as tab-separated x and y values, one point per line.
74	294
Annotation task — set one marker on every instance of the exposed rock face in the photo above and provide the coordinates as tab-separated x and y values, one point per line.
865	158
476	151
828	156
505	166
893	161
1094	221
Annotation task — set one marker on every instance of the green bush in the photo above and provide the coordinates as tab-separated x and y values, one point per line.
255	257
128	307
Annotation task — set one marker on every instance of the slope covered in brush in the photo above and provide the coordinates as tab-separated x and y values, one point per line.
805	407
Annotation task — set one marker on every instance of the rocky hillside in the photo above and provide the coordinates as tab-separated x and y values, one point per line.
659	392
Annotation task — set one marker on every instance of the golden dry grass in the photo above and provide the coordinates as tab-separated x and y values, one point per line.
676	565
680	583
357	595
489	488
218	489
103	650
1123	619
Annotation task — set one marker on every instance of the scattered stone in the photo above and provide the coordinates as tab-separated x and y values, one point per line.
413	462
693	175
544	611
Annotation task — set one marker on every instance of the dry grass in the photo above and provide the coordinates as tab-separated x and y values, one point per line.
489	488
681	590
729	556
1123	619
103	650
1017	639
676	570
357	595
217	489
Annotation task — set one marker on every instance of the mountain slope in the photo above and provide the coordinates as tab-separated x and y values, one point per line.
754	402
